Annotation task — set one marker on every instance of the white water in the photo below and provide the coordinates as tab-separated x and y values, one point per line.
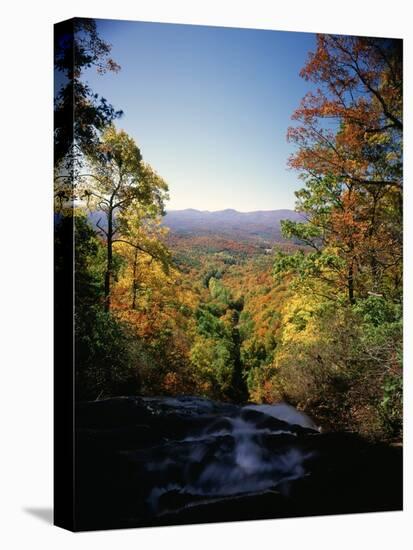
233	457
285	412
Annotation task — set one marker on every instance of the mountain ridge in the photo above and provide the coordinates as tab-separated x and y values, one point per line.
227	210
263	224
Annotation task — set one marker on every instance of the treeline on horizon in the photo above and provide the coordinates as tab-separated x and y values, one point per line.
318	325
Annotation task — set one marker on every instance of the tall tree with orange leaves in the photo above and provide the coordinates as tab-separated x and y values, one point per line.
340	350
348	134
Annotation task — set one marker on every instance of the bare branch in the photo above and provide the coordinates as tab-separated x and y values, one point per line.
101	228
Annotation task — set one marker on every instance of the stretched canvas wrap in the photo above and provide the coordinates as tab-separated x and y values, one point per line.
228	274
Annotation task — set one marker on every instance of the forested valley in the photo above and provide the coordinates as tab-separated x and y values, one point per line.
313	318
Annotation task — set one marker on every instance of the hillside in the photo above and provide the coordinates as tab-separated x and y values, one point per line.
231	223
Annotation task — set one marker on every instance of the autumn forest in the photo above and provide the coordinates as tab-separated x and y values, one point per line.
305	309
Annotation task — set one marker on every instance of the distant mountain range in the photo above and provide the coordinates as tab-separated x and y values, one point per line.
264	224
261	225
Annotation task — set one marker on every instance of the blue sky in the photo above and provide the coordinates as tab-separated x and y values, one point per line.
209	108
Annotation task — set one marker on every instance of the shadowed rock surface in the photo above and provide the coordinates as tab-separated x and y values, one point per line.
162	461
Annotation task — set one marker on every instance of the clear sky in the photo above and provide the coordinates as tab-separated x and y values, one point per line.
209	108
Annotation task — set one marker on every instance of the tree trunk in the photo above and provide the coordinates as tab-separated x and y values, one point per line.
350	284
134	282
374	266
109	260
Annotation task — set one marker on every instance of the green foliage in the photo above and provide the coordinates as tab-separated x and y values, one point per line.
381	345
108	358
211	273
342	363
215	353
209	323
308	269
247	325
376	311
391	405
254	354
303	232
213	359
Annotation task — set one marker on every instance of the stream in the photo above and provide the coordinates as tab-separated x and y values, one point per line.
143	461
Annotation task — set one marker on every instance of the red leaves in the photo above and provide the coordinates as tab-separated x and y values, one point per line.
348	132
359	95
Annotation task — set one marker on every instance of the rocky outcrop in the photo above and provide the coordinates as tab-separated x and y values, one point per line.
161	461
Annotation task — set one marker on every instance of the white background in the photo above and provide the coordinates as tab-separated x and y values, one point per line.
26	273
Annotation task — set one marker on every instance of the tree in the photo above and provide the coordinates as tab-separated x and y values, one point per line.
109	359
142	236
80	114
116	184
360	94
349	138
339	353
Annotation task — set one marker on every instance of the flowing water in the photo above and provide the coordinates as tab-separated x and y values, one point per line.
149	461
229	454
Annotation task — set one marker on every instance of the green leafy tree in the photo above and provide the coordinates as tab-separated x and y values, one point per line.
117	183
216	353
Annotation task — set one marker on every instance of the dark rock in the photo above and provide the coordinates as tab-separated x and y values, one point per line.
162	461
